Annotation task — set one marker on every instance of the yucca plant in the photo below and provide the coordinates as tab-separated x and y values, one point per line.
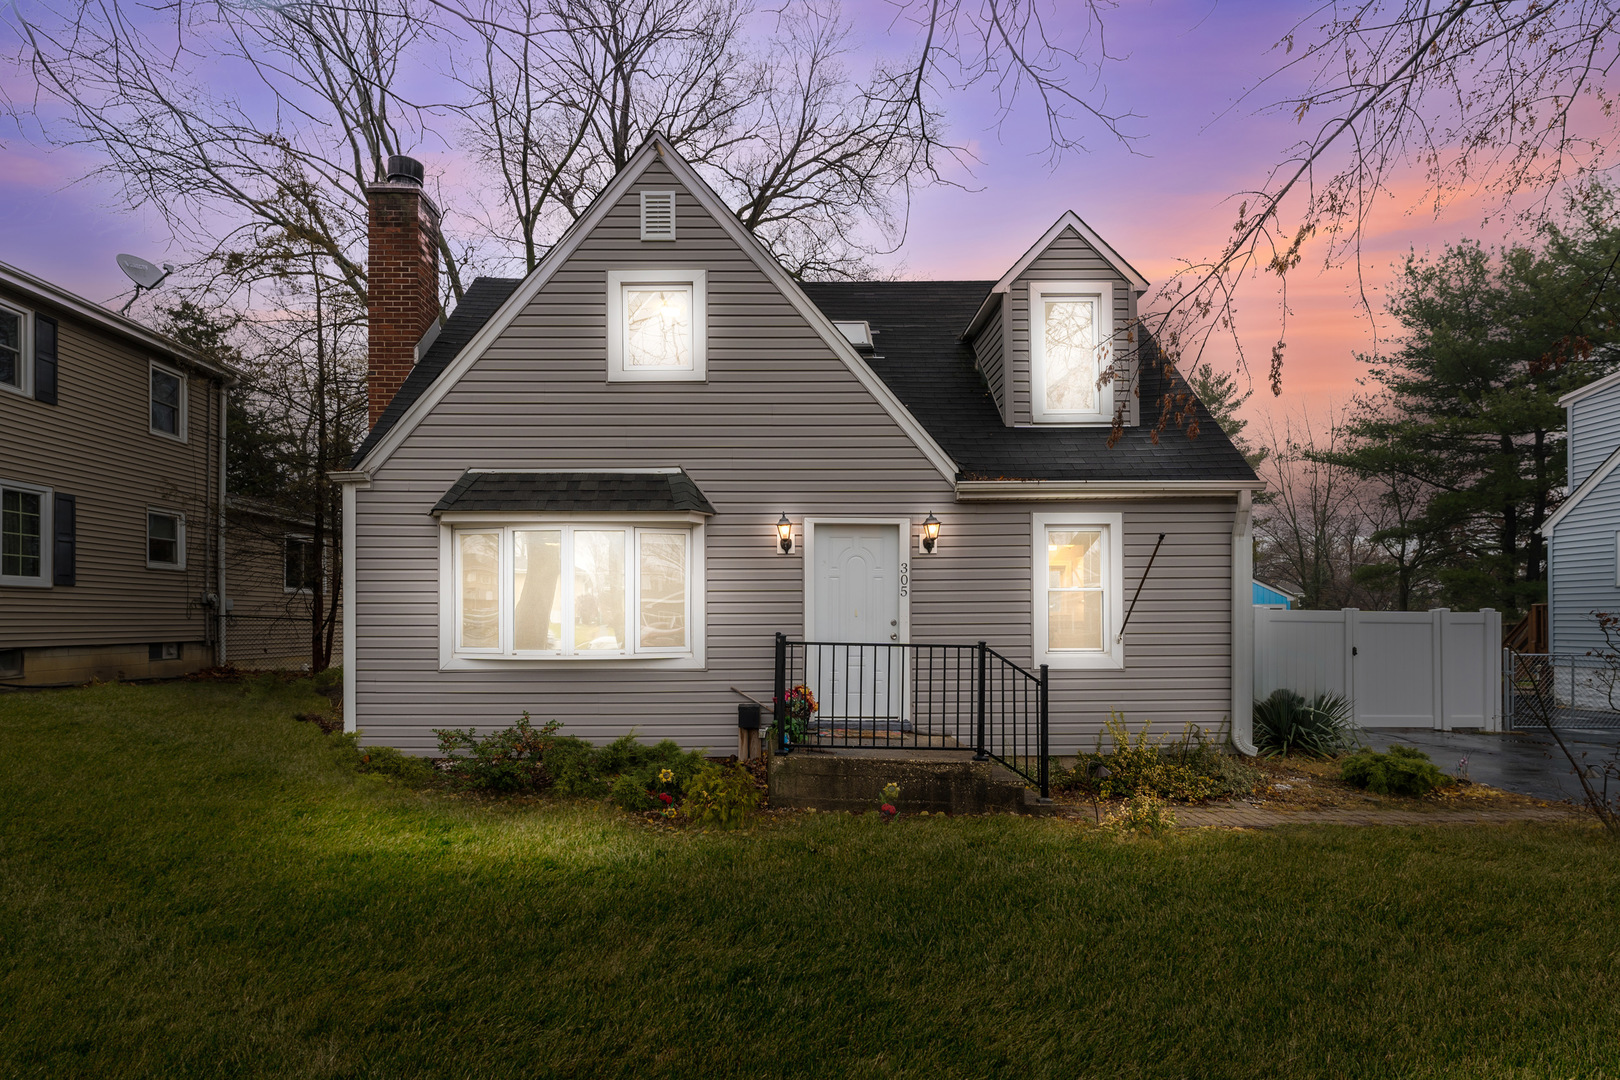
1286	723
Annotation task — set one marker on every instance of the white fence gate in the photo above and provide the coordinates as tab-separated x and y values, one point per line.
1437	669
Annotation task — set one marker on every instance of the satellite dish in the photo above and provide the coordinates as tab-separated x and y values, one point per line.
143	273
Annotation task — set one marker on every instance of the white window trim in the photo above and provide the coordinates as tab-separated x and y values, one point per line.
289	538
905	525
1112	654
180	538
25	358
184	395
47	538
698	281
1617	559
454	658
1103	289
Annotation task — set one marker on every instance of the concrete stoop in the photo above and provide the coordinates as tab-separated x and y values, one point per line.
938	781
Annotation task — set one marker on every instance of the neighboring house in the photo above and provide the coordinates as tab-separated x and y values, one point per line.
111	447
1583	536
1270	596
571	504
279	572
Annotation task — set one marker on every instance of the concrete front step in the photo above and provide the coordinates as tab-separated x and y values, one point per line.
938	781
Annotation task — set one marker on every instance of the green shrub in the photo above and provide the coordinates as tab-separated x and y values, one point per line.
1286	723
1228	774
390	762
506	761
1402	771
1137	766
721	797
1142	814
329	680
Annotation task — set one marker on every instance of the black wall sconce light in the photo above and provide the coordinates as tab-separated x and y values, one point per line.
930	533
784	533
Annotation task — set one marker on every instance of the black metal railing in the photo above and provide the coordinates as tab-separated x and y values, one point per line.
911	696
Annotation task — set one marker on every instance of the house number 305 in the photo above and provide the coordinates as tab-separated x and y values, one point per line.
905	579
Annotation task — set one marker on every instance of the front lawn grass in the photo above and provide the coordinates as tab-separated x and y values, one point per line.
191	884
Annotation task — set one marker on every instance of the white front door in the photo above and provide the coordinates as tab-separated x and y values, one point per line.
857	574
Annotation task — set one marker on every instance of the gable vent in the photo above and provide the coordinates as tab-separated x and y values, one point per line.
658	215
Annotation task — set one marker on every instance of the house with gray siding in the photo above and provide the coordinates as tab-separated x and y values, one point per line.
111	484
1583	536
600	492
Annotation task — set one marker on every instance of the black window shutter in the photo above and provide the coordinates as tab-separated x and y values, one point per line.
45	359
64	557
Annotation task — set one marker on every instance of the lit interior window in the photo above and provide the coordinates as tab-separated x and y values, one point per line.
658	326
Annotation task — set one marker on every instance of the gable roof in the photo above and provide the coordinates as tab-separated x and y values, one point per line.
1589	485
1069	220
921	356
643	490
383	441
1611	379
109	320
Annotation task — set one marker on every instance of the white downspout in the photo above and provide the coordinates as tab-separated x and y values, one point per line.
224	428
350	697
1243	624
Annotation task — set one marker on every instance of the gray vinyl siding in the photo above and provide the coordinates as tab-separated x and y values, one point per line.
1069	256
95	445
989	350
1581	574
780	425
1594	432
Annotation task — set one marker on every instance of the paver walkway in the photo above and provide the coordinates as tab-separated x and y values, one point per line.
1257	817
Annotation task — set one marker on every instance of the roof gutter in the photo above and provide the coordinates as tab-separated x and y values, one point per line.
1055	490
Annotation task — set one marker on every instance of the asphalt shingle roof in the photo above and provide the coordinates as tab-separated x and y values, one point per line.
920	356
590	491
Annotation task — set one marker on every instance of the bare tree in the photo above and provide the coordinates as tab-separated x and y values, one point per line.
1510	100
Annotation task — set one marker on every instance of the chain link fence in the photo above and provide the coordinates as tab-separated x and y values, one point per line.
267	642
1568	691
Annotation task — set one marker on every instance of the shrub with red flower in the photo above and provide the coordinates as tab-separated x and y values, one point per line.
798	705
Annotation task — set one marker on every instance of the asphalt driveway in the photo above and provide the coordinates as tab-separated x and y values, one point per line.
1527	762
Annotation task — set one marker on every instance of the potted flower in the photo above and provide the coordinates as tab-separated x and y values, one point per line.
798	706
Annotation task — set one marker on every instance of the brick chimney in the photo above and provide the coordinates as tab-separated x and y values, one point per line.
402	277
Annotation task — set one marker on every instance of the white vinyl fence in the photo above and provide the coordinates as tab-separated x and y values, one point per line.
1437	669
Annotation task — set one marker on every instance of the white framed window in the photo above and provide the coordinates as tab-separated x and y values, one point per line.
658	215
16	353
165	540
299	566
1071	331
167	402
1078	590
25	548
572	588
1617	560
657	325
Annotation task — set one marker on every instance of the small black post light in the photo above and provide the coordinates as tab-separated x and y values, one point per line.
784	533
930	533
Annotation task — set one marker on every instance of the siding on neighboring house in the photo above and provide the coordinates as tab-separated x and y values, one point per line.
270	625
1067	257
780	425
1582	569
989	349
1594	428
95	445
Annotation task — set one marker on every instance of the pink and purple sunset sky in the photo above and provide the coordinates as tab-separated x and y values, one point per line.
1186	62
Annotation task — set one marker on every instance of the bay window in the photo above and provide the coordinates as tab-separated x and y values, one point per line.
1078	595
1071	330
574	589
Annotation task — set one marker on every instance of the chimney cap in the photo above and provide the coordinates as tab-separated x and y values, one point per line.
404	170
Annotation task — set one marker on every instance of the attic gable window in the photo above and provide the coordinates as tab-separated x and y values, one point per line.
1071	329
658	215
657	325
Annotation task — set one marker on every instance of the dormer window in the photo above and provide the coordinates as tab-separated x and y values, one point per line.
657	325
1071	329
